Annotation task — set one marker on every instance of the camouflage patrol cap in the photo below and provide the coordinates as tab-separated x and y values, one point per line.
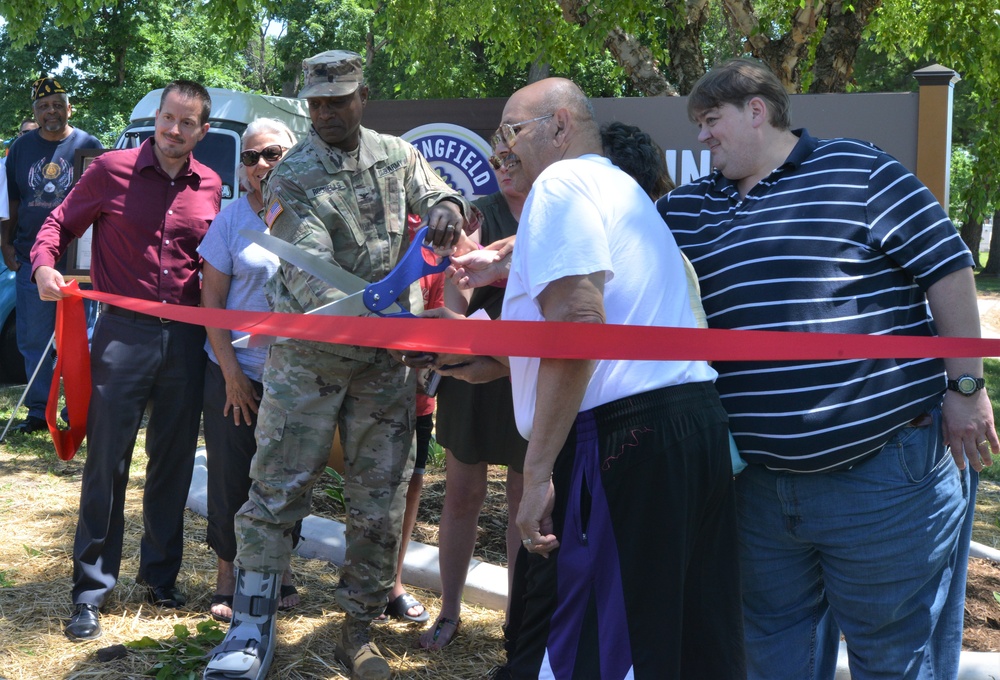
333	73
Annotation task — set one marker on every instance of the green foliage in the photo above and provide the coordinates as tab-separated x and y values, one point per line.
963	171
313	27
336	489
7	579
181	655
963	35
991	372
435	455
126	49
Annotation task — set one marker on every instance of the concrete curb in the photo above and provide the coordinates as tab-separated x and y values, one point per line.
485	586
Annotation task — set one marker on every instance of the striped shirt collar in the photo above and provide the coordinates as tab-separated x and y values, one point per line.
804	148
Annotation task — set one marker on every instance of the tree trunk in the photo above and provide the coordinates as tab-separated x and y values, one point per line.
539	71
786	54
634	57
638	62
687	60
838	48
992	267
743	18
972	236
972	230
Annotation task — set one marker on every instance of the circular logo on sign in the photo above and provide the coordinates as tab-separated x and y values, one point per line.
460	157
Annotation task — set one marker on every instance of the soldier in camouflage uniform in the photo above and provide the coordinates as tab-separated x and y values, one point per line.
343	194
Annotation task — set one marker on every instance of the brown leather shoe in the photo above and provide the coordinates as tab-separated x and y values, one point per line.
356	651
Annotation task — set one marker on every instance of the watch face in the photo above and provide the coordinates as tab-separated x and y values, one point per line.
966	384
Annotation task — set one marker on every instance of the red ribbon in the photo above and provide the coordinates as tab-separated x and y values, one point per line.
73	364
557	340
554	340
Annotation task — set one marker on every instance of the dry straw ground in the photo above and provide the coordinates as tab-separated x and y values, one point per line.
38	501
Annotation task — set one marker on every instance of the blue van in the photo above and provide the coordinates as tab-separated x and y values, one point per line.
11	361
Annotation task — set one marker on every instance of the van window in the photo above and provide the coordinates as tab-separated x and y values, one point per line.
219	150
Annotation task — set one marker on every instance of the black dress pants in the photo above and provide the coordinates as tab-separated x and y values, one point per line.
138	364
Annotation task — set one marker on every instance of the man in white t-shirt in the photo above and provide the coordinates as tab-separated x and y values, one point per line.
628	487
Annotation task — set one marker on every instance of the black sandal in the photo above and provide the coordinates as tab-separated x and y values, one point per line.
398	608
286	590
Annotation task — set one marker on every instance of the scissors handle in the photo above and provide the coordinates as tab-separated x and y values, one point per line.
412	266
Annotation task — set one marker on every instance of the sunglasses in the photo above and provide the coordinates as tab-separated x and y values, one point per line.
507	132
502	163
271	154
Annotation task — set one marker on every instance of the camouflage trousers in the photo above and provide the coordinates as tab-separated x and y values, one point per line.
307	393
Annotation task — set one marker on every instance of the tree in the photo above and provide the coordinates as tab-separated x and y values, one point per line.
127	49
965	35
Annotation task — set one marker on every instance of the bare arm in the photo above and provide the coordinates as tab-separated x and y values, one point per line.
457	298
562	384
241	398
968	421
482	267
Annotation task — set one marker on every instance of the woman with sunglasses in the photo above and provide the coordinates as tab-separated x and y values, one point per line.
234	273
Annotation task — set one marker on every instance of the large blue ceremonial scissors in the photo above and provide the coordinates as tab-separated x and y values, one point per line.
361	297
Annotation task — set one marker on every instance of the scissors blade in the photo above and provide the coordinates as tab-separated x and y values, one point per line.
352	305
325	271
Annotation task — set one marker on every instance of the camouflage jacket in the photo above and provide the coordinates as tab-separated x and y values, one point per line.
352	213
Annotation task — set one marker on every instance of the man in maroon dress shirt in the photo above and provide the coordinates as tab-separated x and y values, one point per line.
150	208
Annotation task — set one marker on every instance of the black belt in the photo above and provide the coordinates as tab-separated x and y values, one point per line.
132	316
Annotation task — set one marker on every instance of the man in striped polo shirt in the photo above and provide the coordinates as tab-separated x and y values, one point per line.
852	515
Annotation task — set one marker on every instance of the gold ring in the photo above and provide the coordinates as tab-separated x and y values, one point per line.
980	444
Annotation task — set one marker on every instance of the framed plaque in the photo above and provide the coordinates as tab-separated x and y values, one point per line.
78	254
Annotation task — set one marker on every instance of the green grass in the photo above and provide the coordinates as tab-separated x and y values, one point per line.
987	284
38	444
991	371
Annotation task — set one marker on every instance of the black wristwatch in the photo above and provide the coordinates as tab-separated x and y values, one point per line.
966	385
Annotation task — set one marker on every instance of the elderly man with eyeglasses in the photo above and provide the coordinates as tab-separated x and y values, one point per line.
39	176
627	471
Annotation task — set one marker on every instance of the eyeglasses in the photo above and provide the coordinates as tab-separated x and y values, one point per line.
271	154
507	132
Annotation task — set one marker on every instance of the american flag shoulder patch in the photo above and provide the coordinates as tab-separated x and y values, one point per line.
273	211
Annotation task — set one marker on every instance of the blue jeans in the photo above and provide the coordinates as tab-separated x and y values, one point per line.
36	321
946	644
869	551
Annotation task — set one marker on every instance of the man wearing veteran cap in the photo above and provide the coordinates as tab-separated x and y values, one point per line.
39	175
343	195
